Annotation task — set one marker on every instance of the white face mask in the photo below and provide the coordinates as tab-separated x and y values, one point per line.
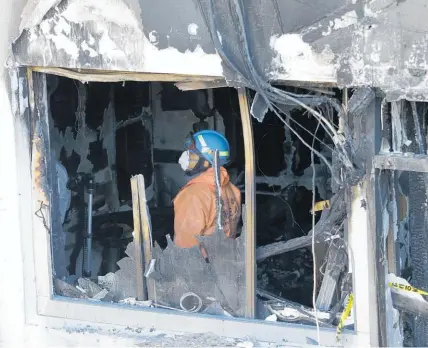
184	160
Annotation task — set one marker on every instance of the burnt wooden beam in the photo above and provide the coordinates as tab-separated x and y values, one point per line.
409	302
142	237
365	230
92	75
278	248
336	263
331	219
195	85
408	162
250	209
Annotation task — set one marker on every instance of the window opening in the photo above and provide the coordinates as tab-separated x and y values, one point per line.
283	205
102	134
403	182
110	133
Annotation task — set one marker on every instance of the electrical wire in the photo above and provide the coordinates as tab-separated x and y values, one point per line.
269	93
273	188
314	259
273	108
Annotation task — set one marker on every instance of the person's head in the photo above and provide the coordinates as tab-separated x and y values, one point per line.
199	153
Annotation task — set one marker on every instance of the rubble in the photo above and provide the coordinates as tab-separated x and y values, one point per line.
215	308
281	309
62	288
107	280
134	302
89	286
94	291
122	284
113	287
85	288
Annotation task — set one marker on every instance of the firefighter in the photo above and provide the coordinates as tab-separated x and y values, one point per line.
195	204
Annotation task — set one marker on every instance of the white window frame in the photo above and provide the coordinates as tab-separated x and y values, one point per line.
43	308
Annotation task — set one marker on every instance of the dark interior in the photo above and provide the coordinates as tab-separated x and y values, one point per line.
125	126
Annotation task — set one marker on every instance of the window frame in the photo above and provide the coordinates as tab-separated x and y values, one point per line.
44	308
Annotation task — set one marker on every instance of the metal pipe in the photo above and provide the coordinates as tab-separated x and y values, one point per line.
88	249
193	304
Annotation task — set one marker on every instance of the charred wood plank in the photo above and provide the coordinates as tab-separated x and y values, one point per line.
195	85
250	201
408	162
336	262
331	219
409	302
142	236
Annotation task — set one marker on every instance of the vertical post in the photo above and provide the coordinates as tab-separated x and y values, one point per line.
42	169
391	243
418	221
250	201
363	238
154	110
142	237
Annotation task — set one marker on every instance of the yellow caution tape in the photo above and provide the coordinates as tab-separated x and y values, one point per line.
344	315
408	288
321	205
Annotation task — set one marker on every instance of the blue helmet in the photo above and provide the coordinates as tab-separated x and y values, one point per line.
206	142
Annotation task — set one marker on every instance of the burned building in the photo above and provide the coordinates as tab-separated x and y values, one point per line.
324	108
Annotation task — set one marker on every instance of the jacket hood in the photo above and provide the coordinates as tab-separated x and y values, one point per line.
208	177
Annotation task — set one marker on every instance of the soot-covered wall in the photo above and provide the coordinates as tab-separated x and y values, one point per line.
176	113
102	129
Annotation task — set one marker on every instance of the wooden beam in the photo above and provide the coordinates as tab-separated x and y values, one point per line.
330	219
409	302
195	85
391	243
364	236
87	75
41	171
141	283
407	162
142	237
250	202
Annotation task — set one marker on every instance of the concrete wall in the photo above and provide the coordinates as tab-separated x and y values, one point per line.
15	330
11	290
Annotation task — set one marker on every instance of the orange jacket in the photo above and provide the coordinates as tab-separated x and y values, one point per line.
195	208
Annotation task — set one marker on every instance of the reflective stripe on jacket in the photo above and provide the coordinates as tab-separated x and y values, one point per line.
195	208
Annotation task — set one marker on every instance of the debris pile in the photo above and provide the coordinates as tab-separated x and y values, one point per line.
82	288
289	275
113	287
280	309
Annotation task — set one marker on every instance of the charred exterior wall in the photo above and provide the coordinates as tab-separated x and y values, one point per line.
377	43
